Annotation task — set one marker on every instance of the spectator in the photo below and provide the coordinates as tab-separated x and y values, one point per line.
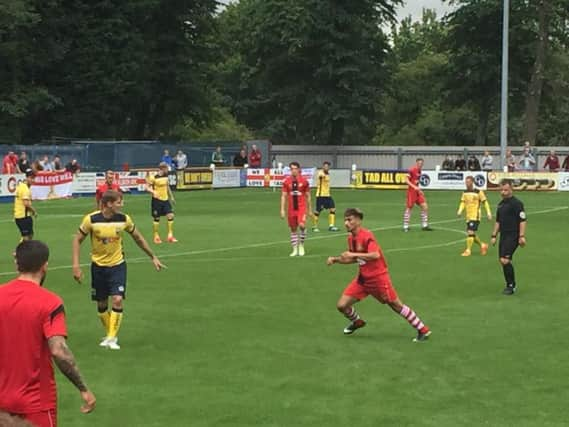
181	160
36	166
473	163
46	165
552	162
57	164
10	163
510	161
565	165
166	158
217	157
460	163
240	160
255	157
487	161
73	167
23	162
448	164
527	161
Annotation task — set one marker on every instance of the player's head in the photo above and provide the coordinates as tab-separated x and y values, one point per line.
469	182
109	177
353	218
163	166
111	201
31	258
326	166
294	168
506	189
30	174
419	162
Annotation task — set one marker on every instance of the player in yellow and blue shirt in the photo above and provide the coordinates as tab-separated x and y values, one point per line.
323	199
159	187
108	266
23	210
471	202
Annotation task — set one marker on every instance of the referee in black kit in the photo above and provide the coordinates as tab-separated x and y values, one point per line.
511	224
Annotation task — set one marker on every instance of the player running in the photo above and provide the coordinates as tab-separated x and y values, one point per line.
297	191
416	197
159	187
23	210
324	200
471	202
372	279
109	184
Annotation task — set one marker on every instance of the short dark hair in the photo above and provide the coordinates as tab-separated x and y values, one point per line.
419	159
507	182
31	255
469	177
327	163
291	164
29	172
357	212
110	196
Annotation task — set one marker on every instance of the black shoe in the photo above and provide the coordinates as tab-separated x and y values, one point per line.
509	290
427	228
351	328
422	337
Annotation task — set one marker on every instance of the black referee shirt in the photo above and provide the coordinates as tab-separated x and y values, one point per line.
509	214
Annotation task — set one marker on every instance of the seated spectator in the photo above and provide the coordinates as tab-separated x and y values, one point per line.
552	162
73	167
510	161
217	157
448	164
527	161
487	161
460	163
57	164
166	158
46	165
565	165
23	162
255	157
473	163
240	160
37	166
181	160
10	163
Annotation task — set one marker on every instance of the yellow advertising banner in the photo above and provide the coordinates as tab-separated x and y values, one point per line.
531	181
383	179
195	179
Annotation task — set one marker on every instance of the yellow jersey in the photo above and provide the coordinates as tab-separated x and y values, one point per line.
323	184
106	237
159	184
472	201
23	192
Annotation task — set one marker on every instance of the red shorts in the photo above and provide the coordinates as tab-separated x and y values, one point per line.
415	198
42	418
381	289
296	218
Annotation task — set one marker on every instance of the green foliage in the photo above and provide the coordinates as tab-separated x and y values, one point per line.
222	126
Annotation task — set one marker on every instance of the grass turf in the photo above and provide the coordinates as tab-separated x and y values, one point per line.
236	333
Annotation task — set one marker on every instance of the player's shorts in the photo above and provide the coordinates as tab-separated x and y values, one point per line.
414	197
381	289
160	207
108	281
25	225
295	218
41	419
324	203
472	225
509	242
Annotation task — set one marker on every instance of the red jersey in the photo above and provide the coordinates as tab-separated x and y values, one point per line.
9	164
297	188
29	315
414	174
255	159
105	187
364	242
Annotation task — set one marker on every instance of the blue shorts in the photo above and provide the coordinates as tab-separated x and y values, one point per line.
324	203
108	281
26	226
160	208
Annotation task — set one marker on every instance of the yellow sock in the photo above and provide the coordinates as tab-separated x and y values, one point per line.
331	219
114	323
477	240
170	226
105	316
155	227
315	220
469	242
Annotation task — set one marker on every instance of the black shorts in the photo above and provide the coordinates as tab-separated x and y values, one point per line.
472	225
324	203
160	208
26	226
108	281
508	245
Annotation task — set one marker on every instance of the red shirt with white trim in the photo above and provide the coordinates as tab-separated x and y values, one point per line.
364	242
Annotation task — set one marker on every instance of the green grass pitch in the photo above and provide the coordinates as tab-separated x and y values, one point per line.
236	333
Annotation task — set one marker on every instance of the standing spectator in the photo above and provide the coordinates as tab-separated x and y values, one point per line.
217	157
57	164
255	157
32	334
527	161
448	164
565	165
460	163
510	161
487	161
181	160
73	167
166	158
9	163
23	162
240	160
552	162
473	163
46	165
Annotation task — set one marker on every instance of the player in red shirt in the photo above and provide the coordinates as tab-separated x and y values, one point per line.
372	279
109	184
297	191
416	197
32	332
